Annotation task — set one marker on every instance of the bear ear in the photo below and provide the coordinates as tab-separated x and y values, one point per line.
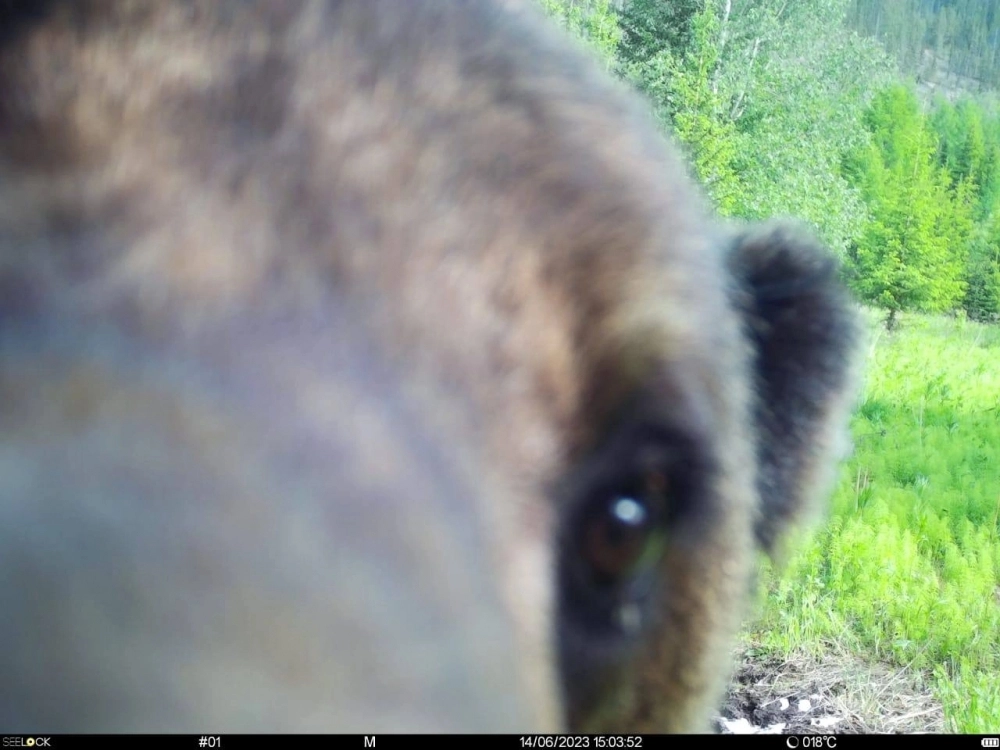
804	330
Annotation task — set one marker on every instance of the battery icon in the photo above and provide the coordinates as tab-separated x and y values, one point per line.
990	742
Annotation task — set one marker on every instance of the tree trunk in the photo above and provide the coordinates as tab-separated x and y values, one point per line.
890	321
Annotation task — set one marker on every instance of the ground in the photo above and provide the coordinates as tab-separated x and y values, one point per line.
835	694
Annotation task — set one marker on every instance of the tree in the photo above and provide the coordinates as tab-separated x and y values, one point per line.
593	21
969	149
798	80
912	252
681	89
982	277
649	27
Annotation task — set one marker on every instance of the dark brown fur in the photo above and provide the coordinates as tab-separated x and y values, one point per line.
319	324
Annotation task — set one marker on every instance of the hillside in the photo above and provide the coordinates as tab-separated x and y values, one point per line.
950	47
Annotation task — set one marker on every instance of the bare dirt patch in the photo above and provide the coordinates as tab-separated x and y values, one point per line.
832	694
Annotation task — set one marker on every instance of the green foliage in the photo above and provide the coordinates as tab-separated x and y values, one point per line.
982	295
971	695
969	147
912	252
970	150
593	21
797	82
765	96
691	105
961	37
784	110
908	569
679	84
650	27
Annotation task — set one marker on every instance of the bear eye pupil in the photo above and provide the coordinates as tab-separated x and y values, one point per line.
622	534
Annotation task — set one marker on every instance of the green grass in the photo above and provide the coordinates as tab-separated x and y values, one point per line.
908	569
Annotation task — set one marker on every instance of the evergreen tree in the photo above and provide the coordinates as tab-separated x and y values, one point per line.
911	254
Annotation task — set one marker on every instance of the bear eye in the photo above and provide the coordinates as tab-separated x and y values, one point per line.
623	532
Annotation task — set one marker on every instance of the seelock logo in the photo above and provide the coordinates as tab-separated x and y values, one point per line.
27	742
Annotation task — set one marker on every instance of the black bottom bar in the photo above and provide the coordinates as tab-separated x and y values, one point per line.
505	742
